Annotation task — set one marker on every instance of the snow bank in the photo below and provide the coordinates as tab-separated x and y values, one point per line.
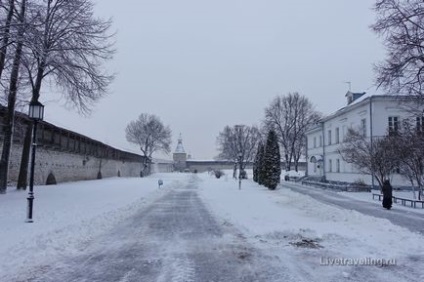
283	214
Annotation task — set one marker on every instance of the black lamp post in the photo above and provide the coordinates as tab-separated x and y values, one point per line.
36	113
239	136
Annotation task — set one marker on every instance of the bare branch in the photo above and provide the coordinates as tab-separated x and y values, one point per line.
236	140
401	24
150	134
69	44
290	116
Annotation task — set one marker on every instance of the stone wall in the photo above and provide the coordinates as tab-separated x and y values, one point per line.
202	166
66	166
69	156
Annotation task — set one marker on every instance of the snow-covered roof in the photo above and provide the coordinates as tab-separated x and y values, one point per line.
180	148
355	102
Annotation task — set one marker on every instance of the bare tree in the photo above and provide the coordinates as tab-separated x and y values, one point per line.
238	143
401	25
59	39
410	144
150	134
69	45
290	116
377	157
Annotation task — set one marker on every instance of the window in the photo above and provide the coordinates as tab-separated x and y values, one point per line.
338	165
363	127
330	165
315	142
420	124
393	125
344	130
329	137
320	141
337	135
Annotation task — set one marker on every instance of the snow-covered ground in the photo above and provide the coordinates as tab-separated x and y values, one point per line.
275	220
302	232
66	217
367	197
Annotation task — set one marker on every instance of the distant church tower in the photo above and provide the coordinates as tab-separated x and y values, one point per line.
180	156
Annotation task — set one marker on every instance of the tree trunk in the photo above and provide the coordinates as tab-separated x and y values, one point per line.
9	122
5	156
23	171
287	162
10	112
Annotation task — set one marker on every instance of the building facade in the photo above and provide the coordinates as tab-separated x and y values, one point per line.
372	115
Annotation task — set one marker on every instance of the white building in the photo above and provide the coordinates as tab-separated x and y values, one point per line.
371	114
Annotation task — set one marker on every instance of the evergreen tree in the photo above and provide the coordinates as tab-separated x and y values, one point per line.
271	161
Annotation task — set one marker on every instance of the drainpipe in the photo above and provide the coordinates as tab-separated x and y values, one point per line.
323	150
371	141
306	155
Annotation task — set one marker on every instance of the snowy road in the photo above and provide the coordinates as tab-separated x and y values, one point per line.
408	219
173	239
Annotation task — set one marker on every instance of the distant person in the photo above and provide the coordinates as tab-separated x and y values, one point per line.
387	194
160	183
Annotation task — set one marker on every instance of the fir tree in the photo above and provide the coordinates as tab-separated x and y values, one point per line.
271	161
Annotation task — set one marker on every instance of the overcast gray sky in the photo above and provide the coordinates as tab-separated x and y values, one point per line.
201	65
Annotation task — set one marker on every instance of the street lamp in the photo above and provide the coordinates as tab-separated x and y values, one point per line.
239	134
36	113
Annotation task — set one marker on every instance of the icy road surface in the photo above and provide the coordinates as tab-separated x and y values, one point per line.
173	239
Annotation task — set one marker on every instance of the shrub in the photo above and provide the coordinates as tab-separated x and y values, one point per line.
218	173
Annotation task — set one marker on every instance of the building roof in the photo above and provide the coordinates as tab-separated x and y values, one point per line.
364	99
180	148
353	104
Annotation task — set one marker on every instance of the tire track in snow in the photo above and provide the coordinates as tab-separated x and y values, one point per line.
178	270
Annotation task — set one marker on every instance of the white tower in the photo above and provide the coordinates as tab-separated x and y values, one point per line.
180	156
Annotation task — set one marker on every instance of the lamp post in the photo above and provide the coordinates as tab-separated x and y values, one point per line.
36	113
239	134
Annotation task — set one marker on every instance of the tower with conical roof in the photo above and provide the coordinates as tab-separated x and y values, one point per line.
180	156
